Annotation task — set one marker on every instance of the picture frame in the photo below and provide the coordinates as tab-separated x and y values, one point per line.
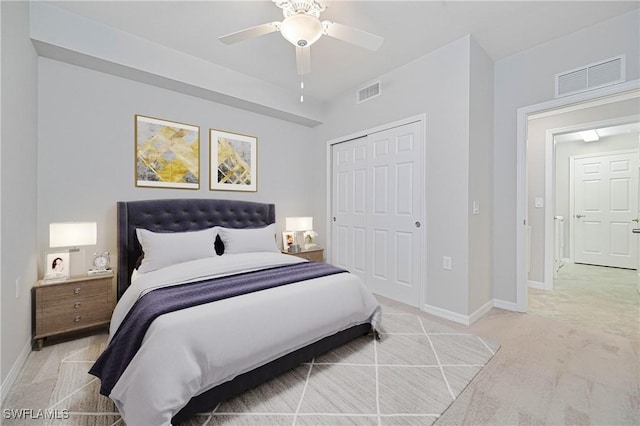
288	238
167	154
233	164
57	265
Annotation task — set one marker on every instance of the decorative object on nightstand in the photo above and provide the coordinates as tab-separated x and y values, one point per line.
101	263
78	303
296	225
72	235
309	239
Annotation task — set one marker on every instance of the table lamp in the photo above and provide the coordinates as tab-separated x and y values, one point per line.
296	225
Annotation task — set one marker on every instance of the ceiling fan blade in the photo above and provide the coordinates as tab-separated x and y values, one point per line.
248	33
303	60
352	35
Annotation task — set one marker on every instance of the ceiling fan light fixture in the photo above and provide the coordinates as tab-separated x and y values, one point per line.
301	29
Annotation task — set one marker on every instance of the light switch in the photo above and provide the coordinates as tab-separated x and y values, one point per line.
539	202
476	207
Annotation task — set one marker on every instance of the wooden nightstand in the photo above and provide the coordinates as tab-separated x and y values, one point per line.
75	304
313	255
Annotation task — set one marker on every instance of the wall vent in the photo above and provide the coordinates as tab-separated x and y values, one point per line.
606	73
371	91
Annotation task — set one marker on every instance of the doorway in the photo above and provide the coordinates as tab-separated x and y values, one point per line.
536	203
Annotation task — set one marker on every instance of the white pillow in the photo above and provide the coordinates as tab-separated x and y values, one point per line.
249	240
168	248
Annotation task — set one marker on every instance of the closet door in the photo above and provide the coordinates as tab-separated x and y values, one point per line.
377	202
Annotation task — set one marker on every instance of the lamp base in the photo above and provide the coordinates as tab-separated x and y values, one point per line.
294	248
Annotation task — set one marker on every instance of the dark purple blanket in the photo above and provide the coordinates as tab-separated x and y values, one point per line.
128	338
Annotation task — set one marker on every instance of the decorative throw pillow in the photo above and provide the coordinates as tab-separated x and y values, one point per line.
249	240
163	249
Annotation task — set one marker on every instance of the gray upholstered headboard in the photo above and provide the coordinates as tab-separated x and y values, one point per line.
177	215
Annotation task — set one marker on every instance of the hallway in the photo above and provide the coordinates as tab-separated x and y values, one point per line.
597	297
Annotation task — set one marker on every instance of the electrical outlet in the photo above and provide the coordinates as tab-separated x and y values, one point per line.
446	263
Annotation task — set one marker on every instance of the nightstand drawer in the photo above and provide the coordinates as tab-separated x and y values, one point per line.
71	305
72	320
74	290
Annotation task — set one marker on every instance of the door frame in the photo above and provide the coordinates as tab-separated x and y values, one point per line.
422	119
577	101
550	189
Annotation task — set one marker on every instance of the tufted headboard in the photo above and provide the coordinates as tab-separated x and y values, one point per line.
177	215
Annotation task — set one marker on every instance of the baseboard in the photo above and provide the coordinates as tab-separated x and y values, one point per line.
448	315
536	284
480	312
5	387
503	304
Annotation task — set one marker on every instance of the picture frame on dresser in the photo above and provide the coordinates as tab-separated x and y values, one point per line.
233	164
287	239
167	154
57	265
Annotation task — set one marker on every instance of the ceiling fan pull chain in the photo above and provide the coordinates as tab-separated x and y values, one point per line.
301	88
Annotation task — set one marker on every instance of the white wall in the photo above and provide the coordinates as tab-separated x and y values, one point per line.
526	79
437	84
18	187
86	149
536	155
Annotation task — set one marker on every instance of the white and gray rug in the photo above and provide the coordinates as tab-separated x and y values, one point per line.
410	377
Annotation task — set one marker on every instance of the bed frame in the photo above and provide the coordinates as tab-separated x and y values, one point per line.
178	215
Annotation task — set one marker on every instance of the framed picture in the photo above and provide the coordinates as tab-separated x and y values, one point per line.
287	239
167	154
57	265
234	162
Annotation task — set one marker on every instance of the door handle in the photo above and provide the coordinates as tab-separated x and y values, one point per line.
636	230
579	216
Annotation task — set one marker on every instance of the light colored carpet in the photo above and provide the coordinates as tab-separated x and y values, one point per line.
410	377
597	297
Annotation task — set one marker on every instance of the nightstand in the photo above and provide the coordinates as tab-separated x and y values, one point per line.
313	255
75	304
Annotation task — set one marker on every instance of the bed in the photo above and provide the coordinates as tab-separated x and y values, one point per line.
287	324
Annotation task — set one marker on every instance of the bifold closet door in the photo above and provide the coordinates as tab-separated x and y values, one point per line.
377	233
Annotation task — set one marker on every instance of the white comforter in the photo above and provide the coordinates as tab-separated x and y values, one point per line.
187	352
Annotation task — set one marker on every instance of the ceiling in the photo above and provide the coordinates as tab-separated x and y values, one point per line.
603	132
410	28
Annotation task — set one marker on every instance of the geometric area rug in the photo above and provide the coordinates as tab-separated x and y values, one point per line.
409	377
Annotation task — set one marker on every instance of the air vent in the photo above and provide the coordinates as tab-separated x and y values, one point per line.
594	76
366	93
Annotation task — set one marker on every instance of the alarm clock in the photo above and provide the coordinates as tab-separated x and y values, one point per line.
101	263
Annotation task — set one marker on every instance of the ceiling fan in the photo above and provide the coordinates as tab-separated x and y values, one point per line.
302	27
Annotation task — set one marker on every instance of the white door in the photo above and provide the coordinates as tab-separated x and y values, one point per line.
377	205
606	204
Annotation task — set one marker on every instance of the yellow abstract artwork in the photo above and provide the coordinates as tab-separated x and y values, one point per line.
167	154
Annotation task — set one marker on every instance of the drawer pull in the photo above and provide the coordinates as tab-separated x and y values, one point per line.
77	318
76	305
76	291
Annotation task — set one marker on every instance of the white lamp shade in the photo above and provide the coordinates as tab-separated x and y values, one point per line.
72	234
299	223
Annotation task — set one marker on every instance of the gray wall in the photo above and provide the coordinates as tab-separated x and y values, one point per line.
536	153
86	149
18	172
438	84
527	78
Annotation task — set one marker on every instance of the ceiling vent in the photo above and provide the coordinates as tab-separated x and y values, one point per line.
369	92
605	73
